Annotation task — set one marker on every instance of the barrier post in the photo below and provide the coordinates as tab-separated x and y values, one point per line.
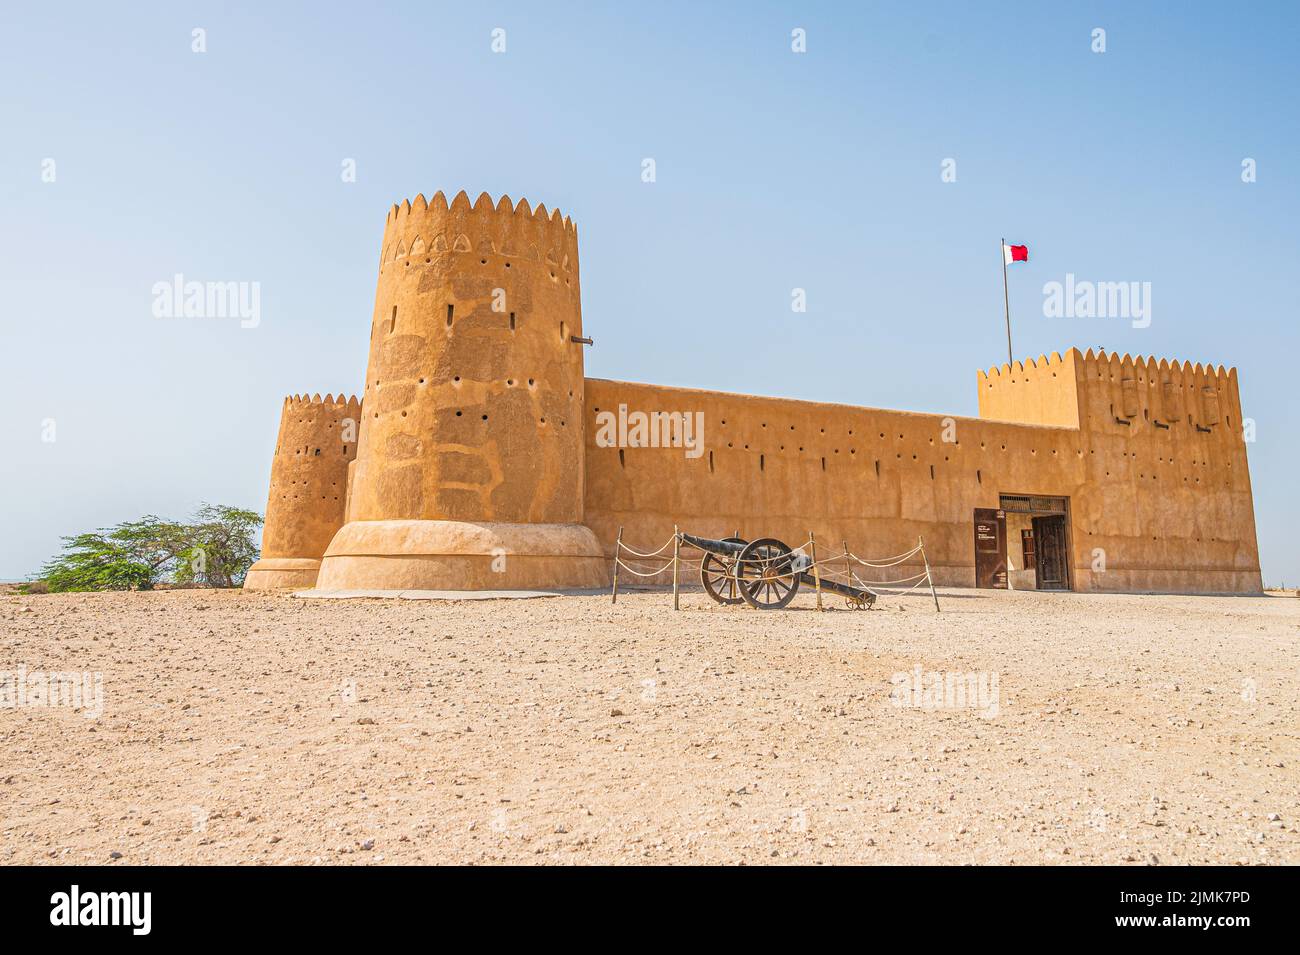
618	547
677	545
920	542
817	574
848	568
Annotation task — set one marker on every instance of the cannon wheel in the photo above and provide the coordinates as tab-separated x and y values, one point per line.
860	602
718	576
767	578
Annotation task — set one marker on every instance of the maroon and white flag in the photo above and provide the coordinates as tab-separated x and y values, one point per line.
1014	253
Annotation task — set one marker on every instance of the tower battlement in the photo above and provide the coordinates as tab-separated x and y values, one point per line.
420	228
1165	392
1042	391
305	401
1089	389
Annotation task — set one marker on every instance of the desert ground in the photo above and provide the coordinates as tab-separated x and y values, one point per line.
239	728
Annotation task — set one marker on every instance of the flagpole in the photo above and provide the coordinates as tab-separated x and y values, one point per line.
1006	298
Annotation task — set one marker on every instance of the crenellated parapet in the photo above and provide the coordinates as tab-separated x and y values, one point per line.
421	232
1100	390
1042	391
1160	393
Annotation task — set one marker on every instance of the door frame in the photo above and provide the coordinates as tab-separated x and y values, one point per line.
1044	505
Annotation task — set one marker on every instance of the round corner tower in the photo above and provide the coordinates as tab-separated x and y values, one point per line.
470	465
309	483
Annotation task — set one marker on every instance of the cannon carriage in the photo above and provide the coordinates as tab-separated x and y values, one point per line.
764	573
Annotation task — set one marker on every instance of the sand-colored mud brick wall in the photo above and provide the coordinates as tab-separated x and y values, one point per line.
480	461
1150	455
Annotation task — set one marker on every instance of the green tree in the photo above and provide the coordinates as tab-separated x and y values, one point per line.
214	549
221	547
132	555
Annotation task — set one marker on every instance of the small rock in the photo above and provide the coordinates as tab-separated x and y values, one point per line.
273	840
367	845
115	854
615	712
365	721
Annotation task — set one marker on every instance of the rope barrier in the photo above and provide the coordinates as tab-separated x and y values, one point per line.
684	560
895	591
886	561
653	573
820	570
856	581
653	553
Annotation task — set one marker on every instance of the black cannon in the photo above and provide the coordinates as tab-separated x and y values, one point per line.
764	573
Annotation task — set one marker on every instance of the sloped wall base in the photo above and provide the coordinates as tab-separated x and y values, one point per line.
462	555
282	573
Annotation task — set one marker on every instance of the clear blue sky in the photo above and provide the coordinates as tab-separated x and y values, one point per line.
774	171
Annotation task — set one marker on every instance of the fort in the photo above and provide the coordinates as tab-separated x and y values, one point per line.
475	438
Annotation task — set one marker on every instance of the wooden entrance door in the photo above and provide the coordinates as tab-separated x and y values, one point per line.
1050	558
990	548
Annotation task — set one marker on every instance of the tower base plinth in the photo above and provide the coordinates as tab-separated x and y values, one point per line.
282	573
462	555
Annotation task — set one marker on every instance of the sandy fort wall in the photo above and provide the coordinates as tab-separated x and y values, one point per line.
481	460
781	468
1168	508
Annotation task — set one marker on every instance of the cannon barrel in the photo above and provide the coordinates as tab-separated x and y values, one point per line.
834	586
724	548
